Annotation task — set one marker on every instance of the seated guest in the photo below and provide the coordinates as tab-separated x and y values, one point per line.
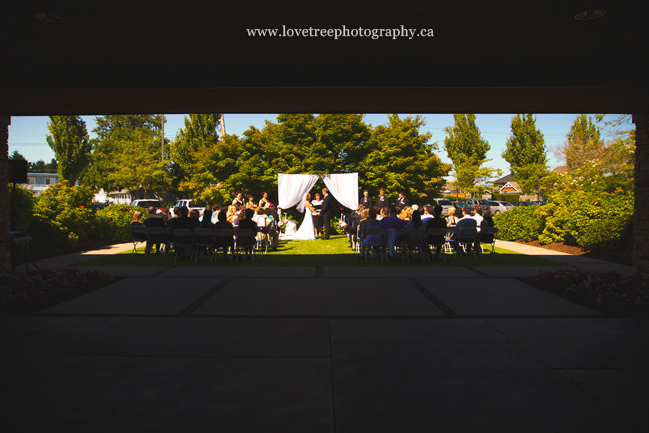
416	223
467	221
176	212
154	220
231	214
137	219
435	222
183	221
370	221
247	224
273	232
427	213
393	222
478	216
194	215
406	213
487	221
165	214
451	219
385	212
206	222
225	242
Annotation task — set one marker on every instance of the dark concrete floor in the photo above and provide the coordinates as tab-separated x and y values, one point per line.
345	353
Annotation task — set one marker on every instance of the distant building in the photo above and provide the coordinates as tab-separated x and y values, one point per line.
508	185
39	182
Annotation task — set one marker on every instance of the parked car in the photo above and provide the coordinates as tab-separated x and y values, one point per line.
473	202
498	206
444	203
191	204
522	203
147	203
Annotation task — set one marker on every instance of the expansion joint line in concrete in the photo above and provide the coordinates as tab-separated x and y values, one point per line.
448	311
206	297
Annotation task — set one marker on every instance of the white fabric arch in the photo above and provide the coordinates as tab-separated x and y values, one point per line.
293	187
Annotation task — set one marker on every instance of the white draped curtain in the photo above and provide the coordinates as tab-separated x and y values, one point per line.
344	187
292	188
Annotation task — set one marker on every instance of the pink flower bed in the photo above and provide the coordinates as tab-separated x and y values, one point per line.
45	287
607	292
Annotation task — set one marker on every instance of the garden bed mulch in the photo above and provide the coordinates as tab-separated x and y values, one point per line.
26	294
609	293
613	256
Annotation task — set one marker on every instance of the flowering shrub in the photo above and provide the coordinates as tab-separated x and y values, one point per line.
24	206
608	292
50	236
44	287
61	196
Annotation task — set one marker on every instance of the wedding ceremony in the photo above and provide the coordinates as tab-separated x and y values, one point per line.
297	217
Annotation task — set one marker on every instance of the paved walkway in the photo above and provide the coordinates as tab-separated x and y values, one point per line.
323	349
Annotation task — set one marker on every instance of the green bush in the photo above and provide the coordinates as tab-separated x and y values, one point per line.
594	221
112	223
24	206
62	196
506	197
518	223
50	236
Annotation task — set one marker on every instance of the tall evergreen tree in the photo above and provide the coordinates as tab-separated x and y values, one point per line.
526	153
15	155
200	131
71	146
468	152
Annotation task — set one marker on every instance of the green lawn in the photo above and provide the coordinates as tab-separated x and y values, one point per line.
335	252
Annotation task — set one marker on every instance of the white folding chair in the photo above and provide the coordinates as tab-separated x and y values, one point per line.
155	236
411	242
488	236
169	241
227	238
374	242
203	239
238	245
466	236
439	233
451	238
138	236
184	241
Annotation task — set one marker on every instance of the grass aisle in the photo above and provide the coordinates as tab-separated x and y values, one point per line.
334	252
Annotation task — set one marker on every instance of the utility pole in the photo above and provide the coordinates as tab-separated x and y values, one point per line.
163	137
222	125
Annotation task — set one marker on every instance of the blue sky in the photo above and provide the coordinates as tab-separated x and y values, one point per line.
27	134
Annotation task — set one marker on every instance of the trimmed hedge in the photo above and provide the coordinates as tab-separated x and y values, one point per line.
519	223
112	223
594	221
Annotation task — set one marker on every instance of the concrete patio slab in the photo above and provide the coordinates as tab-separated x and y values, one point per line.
622	391
28	343
233	272
499	296
581	343
517	271
411	329
318	297
123	271
90	393
427	272
458	386
151	295
158	336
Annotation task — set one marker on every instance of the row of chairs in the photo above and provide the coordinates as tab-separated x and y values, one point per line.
465	238
194	243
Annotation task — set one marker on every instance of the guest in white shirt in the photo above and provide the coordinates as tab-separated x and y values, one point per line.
478	216
428	212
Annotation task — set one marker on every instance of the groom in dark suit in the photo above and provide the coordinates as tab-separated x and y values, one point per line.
325	211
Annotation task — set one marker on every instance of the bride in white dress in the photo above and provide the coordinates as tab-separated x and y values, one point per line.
306	232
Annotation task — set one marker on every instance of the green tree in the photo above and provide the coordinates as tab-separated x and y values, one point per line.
468	152
400	158
15	155
200	131
127	154
526	153
41	167
71	145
